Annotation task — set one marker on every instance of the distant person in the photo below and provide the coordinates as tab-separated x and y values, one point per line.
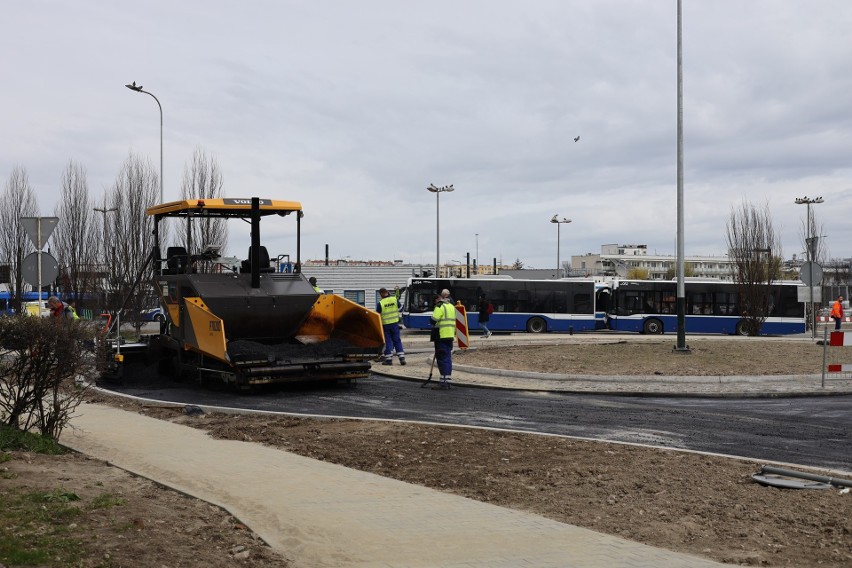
485	311
388	307
60	309
72	305
313	282
445	295
837	312
397	292
444	321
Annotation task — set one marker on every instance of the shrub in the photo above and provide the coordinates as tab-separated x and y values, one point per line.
40	358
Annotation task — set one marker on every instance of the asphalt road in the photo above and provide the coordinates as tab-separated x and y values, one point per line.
809	431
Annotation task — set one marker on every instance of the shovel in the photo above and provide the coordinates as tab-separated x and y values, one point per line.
432	368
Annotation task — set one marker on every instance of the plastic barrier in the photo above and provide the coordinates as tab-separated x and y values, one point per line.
839	339
462	335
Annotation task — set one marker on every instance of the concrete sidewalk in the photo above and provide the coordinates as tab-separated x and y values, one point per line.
322	515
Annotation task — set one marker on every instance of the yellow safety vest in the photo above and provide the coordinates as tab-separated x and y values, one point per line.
390	310
444	317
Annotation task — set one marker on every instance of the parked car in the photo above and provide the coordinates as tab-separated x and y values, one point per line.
152	314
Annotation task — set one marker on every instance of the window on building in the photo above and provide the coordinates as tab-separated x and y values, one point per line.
357	296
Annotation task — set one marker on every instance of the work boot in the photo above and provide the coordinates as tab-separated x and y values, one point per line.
402	360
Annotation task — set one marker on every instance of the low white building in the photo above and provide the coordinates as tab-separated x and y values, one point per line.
618	260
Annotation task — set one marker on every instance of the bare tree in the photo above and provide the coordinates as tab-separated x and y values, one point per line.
688	271
76	240
202	179
638	273
129	233
755	251
18	201
811	228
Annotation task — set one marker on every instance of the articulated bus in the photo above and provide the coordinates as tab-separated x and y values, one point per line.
650	306
535	306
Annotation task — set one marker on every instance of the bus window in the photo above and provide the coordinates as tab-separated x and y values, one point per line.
582	303
725	304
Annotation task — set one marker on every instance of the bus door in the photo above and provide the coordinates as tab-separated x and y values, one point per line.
603	299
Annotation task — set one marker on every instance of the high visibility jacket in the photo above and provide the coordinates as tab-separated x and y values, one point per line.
444	318
837	310
319	290
389	309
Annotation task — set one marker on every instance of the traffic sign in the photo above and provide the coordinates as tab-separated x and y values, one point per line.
810	273
807	294
39	229
49	268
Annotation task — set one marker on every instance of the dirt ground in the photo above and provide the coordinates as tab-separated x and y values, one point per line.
703	505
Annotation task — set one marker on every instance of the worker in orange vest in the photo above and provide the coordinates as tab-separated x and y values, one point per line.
837	312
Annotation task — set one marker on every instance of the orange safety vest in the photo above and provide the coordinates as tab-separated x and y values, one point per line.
837	310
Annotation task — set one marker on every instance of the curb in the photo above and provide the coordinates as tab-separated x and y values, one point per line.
673	380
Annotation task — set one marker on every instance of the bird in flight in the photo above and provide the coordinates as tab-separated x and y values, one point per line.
577	139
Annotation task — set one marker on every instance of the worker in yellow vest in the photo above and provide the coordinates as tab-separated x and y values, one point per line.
388	307
444	321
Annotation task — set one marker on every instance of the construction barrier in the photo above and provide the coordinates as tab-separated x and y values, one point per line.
462	335
839	339
829	319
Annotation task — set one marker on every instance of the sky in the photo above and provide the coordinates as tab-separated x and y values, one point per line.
354	108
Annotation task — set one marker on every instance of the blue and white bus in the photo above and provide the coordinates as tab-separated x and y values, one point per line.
712	306
535	306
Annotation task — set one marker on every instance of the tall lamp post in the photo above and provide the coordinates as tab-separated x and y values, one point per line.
105	210
138	88
807	201
437	191
558	223
477	254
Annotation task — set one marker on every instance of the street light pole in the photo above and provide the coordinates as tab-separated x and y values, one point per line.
105	210
477	254
809	242
437	191
138	89
558	222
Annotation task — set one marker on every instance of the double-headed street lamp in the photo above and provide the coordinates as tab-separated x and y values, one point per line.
809	240
558	223
437	191
105	210
138	88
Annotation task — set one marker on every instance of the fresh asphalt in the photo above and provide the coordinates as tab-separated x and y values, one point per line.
808	431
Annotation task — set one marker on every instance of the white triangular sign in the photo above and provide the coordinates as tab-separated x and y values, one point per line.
39	229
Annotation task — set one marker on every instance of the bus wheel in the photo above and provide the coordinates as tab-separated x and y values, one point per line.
653	326
743	328
536	325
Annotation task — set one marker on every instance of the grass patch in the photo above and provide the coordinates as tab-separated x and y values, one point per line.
107	500
14	439
34	528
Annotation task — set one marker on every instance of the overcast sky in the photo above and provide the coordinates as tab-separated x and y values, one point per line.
354	108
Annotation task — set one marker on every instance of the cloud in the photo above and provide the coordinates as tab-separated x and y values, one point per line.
354	108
